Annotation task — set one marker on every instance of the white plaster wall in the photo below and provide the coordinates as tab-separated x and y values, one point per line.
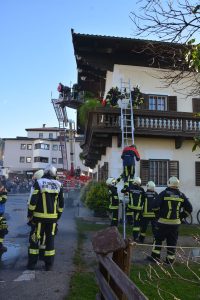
155	148
148	81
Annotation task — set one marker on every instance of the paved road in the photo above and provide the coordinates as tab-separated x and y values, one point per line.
18	283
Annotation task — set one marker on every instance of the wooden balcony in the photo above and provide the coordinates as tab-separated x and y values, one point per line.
103	123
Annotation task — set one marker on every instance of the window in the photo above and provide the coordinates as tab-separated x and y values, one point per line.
158	171
55	147
197	173
196	105
60	161
41	159
42	146
54	160
29	147
51	135
22	159
28	159
23	147
40	135
157	102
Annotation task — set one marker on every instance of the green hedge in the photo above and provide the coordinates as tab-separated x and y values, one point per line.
95	196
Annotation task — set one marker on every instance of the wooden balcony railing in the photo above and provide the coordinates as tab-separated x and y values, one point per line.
146	122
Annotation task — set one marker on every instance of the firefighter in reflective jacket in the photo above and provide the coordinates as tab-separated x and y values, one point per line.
3	223
134	208
148	215
170	206
114	200
45	208
129	155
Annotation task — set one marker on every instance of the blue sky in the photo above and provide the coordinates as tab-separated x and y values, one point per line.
36	53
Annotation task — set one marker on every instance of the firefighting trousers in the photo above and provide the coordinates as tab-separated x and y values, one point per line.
129	172
36	239
114	218
134	218
143	227
168	233
3	228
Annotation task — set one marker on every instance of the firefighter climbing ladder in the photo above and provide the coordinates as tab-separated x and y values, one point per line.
61	114
127	129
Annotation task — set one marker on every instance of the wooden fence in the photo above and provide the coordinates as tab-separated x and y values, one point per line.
114	262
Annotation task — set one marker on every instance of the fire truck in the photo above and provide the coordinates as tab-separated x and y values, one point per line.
70	175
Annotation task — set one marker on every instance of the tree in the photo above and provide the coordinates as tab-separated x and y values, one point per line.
177	24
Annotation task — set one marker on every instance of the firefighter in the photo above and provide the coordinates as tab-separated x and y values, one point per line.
114	200
129	155
45	208
134	208
148	215
3	223
37	175
170	206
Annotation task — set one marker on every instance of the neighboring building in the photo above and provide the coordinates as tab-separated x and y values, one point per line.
24	155
164	125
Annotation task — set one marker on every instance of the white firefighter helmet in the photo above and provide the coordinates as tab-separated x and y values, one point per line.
38	174
50	170
173	182
137	180
111	181
151	185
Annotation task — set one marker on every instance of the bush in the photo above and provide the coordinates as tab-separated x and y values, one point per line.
84	191
97	198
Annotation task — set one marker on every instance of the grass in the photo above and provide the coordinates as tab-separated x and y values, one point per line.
83	285
153	280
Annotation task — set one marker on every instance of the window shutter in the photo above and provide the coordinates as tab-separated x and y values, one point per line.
144	171
196	104
172	103
145	104
197	173
174	168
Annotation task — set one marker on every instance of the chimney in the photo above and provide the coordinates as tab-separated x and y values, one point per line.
44	125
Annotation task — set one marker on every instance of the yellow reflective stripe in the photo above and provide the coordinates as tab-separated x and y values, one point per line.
139	202
34	251
38	230
129	213
1	240
143	234
171	256
47	216
49	191
60	209
35	192
134	207
44	203
31	207
156	251
136	228
178	210
115	197
113	206
145	206
150	215
55	204
173	199
137	216
170	209
49	253
53	228
168	221
43	239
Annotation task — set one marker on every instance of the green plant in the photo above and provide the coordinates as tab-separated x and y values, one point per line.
97	198
90	103
85	190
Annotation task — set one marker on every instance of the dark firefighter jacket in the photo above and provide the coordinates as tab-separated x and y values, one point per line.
136	196
148	205
113	197
169	206
47	201
3	199
129	155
